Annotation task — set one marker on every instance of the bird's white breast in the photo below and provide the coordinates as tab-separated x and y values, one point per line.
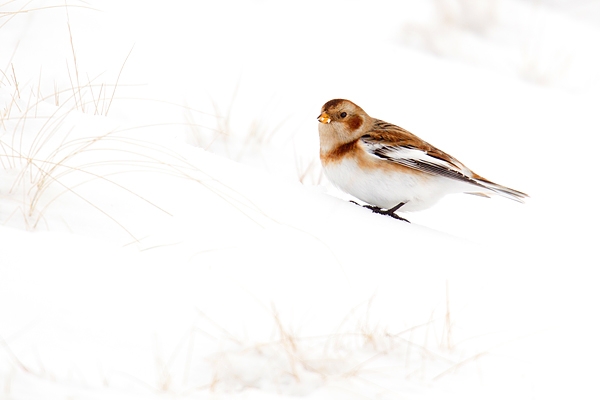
386	187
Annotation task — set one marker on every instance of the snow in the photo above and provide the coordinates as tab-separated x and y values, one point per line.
173	236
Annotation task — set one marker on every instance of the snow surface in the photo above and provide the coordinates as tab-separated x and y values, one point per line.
173	236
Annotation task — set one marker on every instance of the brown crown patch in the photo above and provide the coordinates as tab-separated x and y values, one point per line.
332	103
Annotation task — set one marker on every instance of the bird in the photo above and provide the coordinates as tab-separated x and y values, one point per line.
390	168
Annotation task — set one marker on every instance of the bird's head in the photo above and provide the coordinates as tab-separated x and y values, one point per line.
341	121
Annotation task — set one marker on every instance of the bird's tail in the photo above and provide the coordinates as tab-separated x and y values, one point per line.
502	190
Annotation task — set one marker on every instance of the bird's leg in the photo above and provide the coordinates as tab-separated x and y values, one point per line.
389	212
396	207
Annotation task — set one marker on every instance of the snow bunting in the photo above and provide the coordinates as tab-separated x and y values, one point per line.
390	168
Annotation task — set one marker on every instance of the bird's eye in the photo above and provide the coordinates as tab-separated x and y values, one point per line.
343	115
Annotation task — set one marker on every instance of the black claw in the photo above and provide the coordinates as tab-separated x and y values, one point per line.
390	212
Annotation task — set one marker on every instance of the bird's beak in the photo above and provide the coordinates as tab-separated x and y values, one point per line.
324	118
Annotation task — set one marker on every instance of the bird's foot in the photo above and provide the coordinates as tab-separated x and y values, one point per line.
381	211
389	213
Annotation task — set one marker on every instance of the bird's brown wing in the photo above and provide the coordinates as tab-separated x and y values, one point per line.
395	144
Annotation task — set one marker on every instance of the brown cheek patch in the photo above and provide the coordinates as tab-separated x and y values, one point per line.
354	122
339	152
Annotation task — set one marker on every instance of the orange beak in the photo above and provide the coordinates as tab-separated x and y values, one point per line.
324	118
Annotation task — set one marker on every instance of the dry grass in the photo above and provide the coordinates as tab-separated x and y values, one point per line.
234	146
86	95
473	15
309	173
210	358
10	9
13	357
47	157
270	145
451	22
289	362
51	163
